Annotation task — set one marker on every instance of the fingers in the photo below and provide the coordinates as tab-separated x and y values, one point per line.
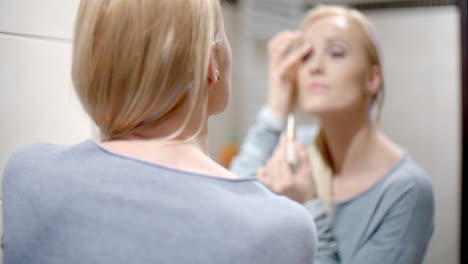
285	171
262	176
287	176
277	176
295	57
282	147
280	45
281	94
305	174
301	152
275	173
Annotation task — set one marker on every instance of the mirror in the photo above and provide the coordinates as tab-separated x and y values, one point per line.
420	43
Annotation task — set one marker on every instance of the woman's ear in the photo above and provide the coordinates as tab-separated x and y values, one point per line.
213	73
375	80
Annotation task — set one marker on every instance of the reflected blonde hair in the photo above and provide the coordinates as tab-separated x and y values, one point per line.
318	151
136	60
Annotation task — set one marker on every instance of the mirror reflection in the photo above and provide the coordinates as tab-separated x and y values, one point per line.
350	110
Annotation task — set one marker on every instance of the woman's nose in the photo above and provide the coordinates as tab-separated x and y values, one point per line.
316	65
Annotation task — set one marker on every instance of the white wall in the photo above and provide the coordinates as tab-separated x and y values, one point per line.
423	106
38	102
47	27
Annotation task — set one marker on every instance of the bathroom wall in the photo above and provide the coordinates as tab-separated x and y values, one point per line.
421	112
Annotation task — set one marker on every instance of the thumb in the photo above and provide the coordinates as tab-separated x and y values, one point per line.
302	153
261	175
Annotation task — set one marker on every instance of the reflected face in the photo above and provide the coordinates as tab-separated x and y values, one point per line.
333	77
219	98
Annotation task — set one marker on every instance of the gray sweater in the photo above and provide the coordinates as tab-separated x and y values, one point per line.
84	204
391	223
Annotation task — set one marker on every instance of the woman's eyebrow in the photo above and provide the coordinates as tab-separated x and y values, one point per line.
339	40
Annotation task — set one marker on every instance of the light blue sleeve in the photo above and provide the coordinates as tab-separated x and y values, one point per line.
259	144
327	251
401	237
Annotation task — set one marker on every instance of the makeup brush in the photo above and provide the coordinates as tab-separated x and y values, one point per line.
291	156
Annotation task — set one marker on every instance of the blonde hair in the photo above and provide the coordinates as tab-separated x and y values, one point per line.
318	151
136	60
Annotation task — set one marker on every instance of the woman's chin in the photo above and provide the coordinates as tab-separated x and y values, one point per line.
314	109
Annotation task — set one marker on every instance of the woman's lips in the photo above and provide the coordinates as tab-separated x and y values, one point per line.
317	87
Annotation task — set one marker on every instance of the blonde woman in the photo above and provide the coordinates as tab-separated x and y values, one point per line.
371	202
149	73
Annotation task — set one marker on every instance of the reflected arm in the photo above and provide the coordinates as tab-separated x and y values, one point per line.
259	144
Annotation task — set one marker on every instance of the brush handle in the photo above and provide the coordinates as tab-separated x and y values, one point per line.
291	156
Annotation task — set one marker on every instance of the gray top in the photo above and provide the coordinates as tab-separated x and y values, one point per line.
84	204
390	223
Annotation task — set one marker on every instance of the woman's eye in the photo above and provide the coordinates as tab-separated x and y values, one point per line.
337	54
307	57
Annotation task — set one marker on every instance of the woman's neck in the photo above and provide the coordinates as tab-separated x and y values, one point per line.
153	140
189	155
155	135
350	140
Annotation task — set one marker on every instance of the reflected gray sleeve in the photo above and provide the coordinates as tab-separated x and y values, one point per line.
259	144
327	252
